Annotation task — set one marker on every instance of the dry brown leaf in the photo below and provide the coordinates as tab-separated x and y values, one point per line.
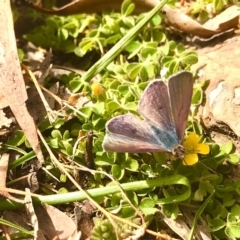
54	223
12	84
184	23
3	176
93	6
38	235
224	21
178	226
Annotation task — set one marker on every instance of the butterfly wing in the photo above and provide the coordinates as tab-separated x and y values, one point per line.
127	133
180	88
155	107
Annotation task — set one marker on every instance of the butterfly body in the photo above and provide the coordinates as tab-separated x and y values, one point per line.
164	109
167	140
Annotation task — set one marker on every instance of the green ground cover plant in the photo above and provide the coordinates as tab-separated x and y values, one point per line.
132	51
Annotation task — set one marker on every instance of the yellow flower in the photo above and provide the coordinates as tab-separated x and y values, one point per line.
192	148
97	89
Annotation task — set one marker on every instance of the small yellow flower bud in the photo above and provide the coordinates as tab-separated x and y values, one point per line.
97	89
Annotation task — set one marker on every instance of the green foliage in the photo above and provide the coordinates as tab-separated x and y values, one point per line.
103	229
206	9
118	92
72	34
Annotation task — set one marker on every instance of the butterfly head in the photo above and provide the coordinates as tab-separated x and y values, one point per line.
178	151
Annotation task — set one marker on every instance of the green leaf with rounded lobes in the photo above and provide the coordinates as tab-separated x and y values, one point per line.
56	134
217	224
112	106
133	70
104	160
233	159
131	164
117	171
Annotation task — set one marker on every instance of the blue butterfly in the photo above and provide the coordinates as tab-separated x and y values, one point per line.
165	111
